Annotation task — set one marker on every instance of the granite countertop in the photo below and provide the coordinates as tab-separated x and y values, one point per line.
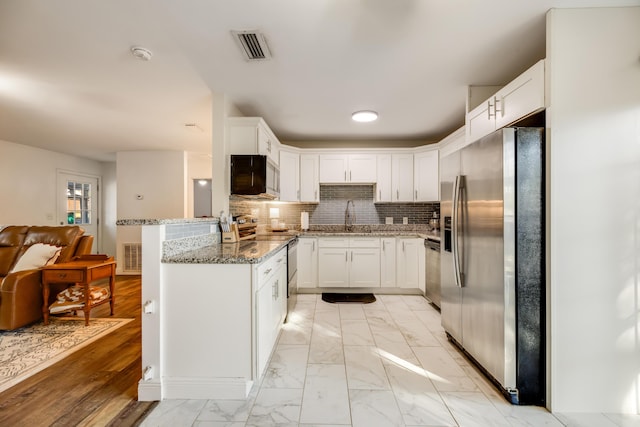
245	252
152	221
435	235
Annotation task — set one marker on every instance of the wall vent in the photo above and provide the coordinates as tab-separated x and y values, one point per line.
253	45
132	258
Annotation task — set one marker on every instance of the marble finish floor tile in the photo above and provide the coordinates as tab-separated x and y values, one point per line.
170	413
374	408
356	332
225	410
364	368
351	312
276	407
287	368
418	400
325	399
385	363
473	409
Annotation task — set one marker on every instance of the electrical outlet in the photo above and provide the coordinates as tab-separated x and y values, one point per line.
388	220
405	220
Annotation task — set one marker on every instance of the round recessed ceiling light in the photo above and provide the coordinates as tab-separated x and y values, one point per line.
141	53
364	116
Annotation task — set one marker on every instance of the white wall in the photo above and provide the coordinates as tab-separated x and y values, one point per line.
28	179
594	154
109	208
159	177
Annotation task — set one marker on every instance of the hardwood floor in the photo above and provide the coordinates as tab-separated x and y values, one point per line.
95	386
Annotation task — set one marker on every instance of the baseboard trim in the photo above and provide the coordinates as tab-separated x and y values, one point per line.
149	391
206	388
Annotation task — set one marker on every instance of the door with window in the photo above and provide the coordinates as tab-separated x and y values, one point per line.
78	203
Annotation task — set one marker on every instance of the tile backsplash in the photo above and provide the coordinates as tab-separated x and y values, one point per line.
332	206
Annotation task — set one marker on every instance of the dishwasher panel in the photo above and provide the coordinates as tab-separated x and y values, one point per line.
433	271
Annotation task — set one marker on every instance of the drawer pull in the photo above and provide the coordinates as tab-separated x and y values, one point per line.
267	271
62	275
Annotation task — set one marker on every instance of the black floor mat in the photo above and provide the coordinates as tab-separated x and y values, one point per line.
348	298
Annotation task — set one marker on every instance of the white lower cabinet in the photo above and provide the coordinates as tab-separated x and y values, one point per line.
348	262
388	262
307	262
333	268
361	262
271	306
410	263
364	271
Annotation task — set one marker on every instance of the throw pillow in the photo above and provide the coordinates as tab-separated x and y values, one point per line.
37	256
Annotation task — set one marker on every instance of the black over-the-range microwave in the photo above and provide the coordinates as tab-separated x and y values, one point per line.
255	176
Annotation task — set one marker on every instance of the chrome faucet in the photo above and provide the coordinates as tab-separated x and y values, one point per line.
349	216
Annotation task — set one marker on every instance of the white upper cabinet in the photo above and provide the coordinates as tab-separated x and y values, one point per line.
362	168
251	135
402	177
383	183
309	186
289	176
426	178
333	168
523	96
347	168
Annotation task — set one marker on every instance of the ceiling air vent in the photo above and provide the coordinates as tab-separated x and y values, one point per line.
253	44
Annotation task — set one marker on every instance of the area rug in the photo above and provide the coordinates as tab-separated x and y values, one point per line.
348	298
28	350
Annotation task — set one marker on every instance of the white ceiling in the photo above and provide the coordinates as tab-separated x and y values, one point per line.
68	82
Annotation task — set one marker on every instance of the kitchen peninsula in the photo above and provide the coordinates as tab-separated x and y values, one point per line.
211	311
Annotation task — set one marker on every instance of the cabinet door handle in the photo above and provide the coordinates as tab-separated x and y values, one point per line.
495	108
416	194
267	271
345	175
346	256
274	290
351	256
403	246
397	194
379	194
489	115
350	177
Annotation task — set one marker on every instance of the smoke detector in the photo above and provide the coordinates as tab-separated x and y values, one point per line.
253	45
141	53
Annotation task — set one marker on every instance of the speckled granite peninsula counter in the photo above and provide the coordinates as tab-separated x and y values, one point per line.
246	252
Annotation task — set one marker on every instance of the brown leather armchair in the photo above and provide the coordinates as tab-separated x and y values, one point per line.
21	291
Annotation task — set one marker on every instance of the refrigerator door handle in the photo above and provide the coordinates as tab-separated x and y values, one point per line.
455	247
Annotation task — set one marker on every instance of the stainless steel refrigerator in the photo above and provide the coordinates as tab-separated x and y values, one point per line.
492	260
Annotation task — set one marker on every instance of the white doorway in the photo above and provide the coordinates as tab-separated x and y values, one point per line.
201	198
78	197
